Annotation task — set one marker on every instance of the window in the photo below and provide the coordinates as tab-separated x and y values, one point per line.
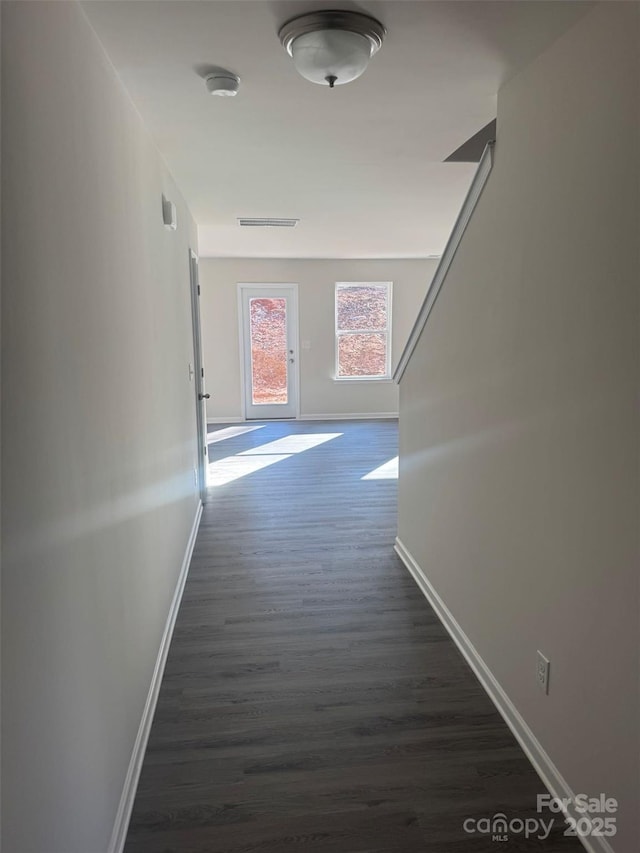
363	330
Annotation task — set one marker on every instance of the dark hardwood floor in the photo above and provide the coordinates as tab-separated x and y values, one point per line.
311	700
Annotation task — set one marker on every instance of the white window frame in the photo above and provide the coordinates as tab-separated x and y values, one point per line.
386	377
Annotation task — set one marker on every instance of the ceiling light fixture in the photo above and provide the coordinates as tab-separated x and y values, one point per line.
332	47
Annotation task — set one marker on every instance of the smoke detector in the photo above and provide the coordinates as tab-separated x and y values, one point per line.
222	83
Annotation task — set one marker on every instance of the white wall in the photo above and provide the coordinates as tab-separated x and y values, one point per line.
519	421
98	427
321	394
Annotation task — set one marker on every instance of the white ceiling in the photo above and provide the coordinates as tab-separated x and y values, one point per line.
360	165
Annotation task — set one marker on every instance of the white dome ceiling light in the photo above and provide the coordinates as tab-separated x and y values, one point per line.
332	47
222	83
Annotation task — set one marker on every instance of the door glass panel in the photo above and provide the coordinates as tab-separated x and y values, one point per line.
268	326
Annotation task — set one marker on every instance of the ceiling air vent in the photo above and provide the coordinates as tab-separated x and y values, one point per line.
267	223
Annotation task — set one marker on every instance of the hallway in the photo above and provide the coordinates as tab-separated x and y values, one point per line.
312	701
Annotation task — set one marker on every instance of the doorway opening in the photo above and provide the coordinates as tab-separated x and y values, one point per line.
198	376
269	347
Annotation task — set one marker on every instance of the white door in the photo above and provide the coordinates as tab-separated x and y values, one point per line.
269	344
200	397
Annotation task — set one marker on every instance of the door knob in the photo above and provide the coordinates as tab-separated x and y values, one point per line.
204	396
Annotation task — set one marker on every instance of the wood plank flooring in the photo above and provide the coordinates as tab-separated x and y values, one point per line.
311	700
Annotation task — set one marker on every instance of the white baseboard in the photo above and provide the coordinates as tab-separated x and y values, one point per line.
352	416
125	807
542	763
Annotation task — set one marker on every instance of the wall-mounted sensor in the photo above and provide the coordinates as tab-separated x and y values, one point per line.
222	83
169	215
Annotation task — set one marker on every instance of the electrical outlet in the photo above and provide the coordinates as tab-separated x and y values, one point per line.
542	672
195	476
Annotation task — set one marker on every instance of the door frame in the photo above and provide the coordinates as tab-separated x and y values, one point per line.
293	292
198	377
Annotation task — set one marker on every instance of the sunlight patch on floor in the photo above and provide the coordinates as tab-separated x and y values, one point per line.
233	467
249	461
229	432
387	471
292	443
